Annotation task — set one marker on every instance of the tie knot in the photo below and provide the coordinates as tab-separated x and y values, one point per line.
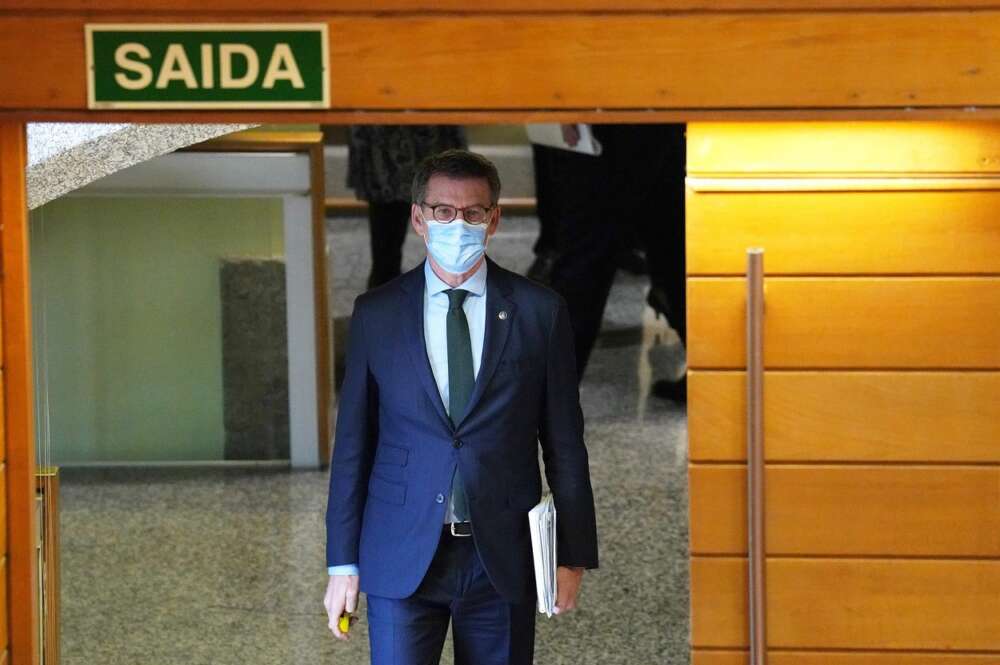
456	297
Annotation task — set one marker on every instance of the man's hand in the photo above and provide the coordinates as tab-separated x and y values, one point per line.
571	134
568	582
341	594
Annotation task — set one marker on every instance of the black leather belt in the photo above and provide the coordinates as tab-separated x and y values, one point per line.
459	529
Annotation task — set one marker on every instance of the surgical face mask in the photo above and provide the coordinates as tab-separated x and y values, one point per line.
457	245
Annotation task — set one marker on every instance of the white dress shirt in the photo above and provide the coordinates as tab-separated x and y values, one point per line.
436	322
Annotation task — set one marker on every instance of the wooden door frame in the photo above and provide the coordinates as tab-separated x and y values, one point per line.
18	397
736	46
15	332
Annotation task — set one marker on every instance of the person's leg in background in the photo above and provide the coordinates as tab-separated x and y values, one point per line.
547	245
583	275
660	192
584	269
661	201
387	226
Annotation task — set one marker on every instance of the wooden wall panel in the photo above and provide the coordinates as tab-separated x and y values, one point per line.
830	149
880	401
850	322
881	658
717	509
3	433
718	602
849	416
4	603
552	6
842	60
3	509
703	657
847	232
881	604
852	510
620	49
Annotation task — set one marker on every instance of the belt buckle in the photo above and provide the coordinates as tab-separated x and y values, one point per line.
458	535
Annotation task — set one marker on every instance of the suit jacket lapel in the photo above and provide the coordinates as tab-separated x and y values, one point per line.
498	304
412	307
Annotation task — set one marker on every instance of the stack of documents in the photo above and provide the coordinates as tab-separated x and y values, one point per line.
542	523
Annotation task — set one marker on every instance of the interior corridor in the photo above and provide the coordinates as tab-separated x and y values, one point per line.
224	565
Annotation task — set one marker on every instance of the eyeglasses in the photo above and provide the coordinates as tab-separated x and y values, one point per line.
447	213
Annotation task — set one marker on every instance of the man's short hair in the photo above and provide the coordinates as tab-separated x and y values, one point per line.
457	164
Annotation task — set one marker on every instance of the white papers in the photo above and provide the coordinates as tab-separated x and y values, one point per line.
550	134
542	524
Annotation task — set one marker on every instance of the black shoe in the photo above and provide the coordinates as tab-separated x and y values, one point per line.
541	268
675	391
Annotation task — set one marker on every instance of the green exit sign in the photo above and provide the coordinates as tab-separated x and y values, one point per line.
199	66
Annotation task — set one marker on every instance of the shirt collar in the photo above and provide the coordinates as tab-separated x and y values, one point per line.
475	284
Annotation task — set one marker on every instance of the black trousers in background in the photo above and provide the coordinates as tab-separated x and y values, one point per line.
387	225
586	243
663	219
544	162
635	188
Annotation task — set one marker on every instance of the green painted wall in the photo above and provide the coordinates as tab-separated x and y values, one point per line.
128	319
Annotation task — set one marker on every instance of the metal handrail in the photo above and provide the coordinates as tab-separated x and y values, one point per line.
755	456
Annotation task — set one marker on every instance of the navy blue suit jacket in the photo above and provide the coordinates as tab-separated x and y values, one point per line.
396	449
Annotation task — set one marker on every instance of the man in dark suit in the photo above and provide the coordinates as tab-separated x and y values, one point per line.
455	372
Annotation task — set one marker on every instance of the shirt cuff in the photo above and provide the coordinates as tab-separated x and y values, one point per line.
346	569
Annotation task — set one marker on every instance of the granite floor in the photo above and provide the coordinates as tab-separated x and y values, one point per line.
220	566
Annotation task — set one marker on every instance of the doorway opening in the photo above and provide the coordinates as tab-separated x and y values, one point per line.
207	543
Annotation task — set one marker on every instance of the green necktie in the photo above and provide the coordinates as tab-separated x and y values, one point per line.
461	379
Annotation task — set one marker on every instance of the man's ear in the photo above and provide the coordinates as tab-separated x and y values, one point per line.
494	223
418	224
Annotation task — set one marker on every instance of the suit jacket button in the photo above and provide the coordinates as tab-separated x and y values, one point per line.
457	443
439	498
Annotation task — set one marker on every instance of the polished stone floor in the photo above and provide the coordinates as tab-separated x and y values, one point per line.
220	566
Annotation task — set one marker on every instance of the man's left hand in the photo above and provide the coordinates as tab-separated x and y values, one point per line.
568	580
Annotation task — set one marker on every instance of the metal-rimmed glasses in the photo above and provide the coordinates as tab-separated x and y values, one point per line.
445	213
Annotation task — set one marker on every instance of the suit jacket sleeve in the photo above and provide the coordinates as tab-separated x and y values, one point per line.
353	450
563	450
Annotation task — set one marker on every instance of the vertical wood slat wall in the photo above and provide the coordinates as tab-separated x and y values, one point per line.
882	386
4	590
19	574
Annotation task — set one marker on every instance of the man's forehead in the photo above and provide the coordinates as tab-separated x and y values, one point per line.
442	188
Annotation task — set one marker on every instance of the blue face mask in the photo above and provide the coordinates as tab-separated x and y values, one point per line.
456	246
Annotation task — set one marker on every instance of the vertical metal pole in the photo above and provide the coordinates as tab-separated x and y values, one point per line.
755	455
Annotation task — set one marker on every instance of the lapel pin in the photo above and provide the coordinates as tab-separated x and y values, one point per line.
502	315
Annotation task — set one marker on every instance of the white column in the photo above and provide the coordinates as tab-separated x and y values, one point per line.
301	313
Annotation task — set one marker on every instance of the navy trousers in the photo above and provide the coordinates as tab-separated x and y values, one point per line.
486	629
